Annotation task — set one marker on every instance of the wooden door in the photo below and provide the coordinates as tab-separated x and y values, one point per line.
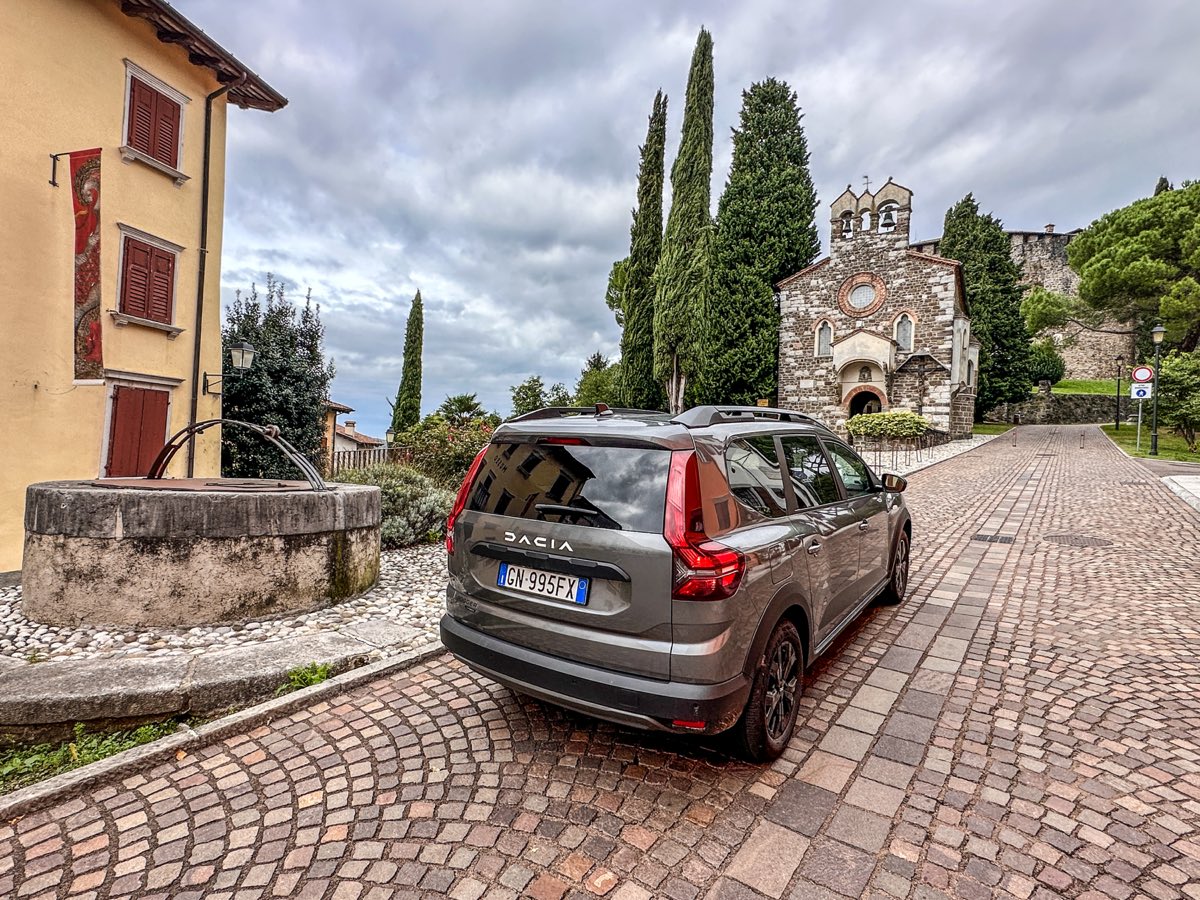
137	430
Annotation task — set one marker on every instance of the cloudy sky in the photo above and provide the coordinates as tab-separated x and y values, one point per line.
486	152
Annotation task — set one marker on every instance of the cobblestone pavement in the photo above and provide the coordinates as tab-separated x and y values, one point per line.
1026	724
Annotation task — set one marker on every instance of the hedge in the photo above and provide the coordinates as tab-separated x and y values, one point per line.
897	425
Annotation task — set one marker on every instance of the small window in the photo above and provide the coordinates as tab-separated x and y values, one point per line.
904	333
812	479
147	281
862	296
153	123
755	479
970	371
529	463
855	475
825	340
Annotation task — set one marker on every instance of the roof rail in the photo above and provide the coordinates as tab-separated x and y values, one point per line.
600	411
704	416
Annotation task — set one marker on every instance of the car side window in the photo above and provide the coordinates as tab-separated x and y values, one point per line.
812	479
855	475
755	479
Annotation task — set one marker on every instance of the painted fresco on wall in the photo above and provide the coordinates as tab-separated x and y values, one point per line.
85	194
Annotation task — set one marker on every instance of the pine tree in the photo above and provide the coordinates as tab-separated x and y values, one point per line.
683	278
994	299
765	232
287	385
635	274
406	411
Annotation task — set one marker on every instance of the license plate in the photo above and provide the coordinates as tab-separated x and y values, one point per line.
544	584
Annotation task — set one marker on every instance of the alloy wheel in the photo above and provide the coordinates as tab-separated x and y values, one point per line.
779	700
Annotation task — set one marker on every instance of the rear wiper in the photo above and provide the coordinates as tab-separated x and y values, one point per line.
565	510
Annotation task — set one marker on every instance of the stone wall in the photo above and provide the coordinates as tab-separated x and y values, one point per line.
1042	257
1066	409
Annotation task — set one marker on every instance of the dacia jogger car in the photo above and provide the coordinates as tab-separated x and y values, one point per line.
676	573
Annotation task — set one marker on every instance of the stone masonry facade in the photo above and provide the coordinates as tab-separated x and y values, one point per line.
877	325
1042	258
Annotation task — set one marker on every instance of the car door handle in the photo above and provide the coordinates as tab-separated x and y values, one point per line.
814	548
863	526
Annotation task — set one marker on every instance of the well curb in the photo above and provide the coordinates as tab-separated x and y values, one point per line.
36	796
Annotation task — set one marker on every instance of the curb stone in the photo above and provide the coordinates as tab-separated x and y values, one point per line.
1186	487
36	796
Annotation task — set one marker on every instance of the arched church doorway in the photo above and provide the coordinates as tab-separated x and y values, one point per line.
865	402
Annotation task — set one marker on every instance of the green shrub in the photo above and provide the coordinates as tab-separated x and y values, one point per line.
413	506
888	425
1046	363
20	766
443	451
1179	395
305	676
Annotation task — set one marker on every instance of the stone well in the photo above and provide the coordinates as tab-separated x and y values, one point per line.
191	552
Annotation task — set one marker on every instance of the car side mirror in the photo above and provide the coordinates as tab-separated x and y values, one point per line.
894	483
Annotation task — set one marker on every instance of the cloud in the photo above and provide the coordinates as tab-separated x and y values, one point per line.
487	153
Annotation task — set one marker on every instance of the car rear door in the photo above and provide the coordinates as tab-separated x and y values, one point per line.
868	501
825	529
559	513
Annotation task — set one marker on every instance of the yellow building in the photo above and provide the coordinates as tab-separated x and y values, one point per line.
112	149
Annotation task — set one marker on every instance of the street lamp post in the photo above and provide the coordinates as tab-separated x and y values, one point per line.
1157	332
388	437
1117	421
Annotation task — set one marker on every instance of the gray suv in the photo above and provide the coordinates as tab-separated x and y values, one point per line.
669	573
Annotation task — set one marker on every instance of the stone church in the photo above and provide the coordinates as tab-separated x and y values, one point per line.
877	325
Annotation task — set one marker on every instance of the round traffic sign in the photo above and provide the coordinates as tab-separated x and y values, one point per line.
1142	374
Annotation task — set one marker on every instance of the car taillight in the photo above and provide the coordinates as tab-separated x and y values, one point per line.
703	568
460	501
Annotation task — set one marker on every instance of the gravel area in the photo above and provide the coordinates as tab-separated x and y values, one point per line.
411	591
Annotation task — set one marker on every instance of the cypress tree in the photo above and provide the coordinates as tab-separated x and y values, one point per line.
765	232
639	388
683	278
406	411
994	298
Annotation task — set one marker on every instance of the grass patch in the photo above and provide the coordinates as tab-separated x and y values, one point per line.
1170	446
990	427
21	766
305	676
1086	386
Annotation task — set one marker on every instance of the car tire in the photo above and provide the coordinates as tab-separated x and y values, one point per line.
897	585
767	722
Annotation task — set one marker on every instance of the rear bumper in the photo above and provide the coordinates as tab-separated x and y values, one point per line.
615	697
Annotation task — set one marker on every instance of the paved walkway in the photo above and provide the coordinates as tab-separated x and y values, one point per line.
1027	724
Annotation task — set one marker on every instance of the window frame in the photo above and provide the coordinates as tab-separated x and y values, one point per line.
132	154
912	331
817	354
119	313
793	503
874	486
788	500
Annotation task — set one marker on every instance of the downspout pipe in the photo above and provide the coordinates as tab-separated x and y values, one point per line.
204	191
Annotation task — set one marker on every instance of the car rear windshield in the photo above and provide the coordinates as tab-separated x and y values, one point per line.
623	488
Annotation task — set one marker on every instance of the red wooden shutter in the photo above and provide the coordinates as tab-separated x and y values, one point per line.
166	131
141	116
137	430
135	279
124	432
153	428
162	285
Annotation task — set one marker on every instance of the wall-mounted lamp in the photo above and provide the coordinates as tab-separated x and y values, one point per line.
241	358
